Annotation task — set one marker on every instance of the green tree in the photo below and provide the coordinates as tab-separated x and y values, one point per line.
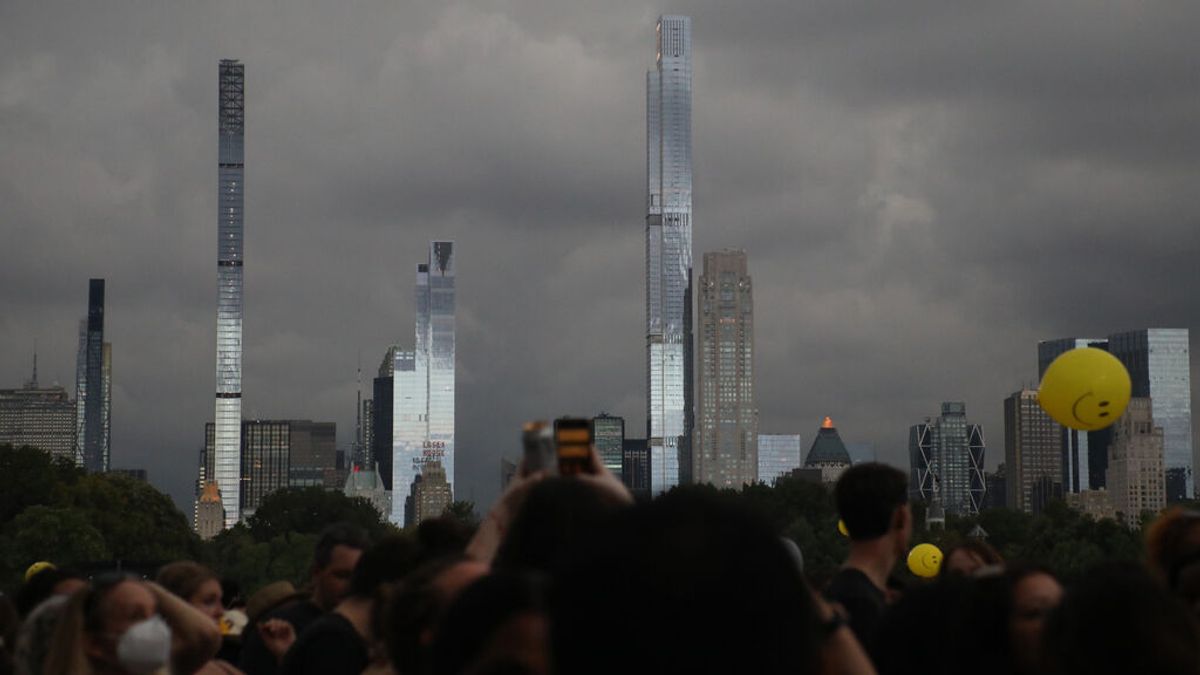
309	510
29	477
137	521
64	536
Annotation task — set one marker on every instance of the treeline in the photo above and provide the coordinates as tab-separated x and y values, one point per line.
52	510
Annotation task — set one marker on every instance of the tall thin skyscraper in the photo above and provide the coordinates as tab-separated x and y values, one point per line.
231	127
93	385
669	408
726	451
423	382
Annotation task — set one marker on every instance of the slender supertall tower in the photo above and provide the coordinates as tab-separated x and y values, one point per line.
93	385
230	169
669	255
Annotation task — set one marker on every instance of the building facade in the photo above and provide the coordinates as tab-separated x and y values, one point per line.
93	386
1033	448
1159	364
382	417
946	456
1136	466
431	493
42	418
423	381
231	126
725	451
635	467
828	453
608	433
778	455
669	406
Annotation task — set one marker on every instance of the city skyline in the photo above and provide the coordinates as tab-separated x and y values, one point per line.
850	170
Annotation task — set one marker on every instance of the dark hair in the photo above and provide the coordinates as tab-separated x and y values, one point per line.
412	607
9	622
389	560
1117	619
184	578
691	582
41	586
981	549
867	497
949	613
481	609
555	513
338	534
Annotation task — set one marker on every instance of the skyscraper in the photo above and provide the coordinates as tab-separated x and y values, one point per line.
778	455
946	455
1033	448
828	453
40	417
93	385
669	254
382	417
231	89
1080	460
609	435
726	449
1159	363
423	382
1136	475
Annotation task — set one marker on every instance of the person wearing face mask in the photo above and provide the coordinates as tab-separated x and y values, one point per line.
201	588
122	626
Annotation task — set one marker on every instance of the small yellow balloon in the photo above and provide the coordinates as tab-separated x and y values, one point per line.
37	567
842	528
925	560
1085	389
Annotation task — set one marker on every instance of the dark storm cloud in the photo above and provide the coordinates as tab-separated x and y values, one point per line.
924	189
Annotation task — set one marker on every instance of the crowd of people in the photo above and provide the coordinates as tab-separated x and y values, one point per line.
569	575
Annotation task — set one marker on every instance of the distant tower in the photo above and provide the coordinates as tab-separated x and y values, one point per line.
1033	449
828	453
725	453
230	185
423	383
669	409
946	456
210	515
93	385
609	434
1136	476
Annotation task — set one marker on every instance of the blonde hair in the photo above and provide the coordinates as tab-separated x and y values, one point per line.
67	654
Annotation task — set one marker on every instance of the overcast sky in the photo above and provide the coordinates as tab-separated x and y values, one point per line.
924	190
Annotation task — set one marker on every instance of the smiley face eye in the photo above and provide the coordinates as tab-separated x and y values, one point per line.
1103	404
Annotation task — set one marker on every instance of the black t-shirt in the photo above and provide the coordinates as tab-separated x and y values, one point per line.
863	600
256	659
329	645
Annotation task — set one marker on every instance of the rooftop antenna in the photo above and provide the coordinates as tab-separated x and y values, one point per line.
33	383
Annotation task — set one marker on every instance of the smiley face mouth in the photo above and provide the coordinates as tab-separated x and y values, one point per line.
1075	409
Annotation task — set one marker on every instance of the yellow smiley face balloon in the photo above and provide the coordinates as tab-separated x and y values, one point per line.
842	528
925	560
1085	389
37	567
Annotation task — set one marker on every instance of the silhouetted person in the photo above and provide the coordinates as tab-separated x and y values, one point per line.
410	616
497	625
872	500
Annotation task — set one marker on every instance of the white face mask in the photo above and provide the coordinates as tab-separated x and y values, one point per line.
146	646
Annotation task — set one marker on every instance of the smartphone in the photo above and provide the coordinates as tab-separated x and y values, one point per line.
573	443
538	440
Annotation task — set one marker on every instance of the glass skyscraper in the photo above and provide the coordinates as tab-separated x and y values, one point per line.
230	173
93	385
669	255
423	382
778	455
946	456
1159	363
608	433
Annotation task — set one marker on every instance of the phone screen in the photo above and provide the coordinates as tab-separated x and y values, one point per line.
573	438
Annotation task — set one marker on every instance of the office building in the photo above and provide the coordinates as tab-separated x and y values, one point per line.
778	455
828	454
423	381
608	433
1159	364
1033	448
946	456
725	450
93	386
1094	503
231	118
635	467
1136	464
669	371
995	494
381	417
431	493
39	417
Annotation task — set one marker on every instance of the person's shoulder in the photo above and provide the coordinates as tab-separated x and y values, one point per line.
849	582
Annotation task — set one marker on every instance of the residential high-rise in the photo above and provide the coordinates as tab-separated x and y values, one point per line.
39	417
231	125
946	455
608	433
423	381
1033	448
93	385
669	346
828	454
778	455
1136	470
1082	463
1159	364
725	452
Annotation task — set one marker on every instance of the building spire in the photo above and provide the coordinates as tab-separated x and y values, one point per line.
33	383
